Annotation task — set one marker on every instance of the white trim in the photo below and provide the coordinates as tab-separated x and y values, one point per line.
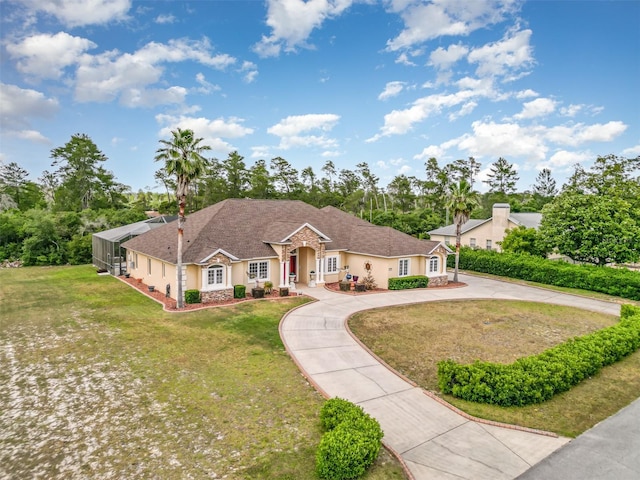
208	287
219	250
401	268
328	270
324	239
258	277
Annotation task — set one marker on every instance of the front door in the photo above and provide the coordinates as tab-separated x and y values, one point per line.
293	264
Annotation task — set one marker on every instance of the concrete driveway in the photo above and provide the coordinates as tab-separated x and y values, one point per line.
434	440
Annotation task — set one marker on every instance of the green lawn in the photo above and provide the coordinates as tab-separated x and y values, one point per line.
413	338
98	382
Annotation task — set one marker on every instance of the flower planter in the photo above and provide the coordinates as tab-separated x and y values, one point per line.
257	292
360	287
152	288
345	286
284	292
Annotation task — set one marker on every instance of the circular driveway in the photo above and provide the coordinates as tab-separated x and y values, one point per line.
432	439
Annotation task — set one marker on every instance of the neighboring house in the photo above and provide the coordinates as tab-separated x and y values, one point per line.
106	246
241	241
487	233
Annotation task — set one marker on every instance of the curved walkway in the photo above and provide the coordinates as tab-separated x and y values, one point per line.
433	440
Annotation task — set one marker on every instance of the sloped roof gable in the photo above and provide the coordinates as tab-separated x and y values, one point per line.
245	228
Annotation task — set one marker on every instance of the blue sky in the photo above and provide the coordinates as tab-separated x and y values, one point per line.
545	84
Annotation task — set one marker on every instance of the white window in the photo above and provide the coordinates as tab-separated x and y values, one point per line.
259	270
403	267
163	270
433	265
148	266
332	265
472	242
215	276
135	261
488	244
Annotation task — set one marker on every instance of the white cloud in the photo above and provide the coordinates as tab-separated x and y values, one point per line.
112	75
536	108
431	151
76	13
526	93
564	160
292	21
503	58
260	151
19	105
444	58
250	71
164	19
212	131
290	130
46	56
405	170
571	110
427	20
403	59
205	86
391	89
399	122
574	135
632	151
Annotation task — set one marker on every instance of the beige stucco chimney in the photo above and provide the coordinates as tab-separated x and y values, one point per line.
499	223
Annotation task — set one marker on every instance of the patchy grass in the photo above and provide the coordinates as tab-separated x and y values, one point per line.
413	338
98	382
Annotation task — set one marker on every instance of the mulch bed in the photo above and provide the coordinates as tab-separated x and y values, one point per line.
170	303
335	287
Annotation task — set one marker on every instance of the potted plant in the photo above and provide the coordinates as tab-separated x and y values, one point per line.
257	291
312	278
268	286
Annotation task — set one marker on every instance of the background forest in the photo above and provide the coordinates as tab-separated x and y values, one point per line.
49	221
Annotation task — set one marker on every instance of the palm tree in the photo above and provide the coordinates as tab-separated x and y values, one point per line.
461	200
182	157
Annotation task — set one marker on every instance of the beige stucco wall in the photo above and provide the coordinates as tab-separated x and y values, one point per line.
155	277
482	233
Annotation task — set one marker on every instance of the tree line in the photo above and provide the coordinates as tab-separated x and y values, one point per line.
50	221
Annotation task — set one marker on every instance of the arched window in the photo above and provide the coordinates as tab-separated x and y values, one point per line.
434	265
215	276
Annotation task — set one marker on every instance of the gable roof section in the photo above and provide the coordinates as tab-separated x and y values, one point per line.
529	220
450	230
244	228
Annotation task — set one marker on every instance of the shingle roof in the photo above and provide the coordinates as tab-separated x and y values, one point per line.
529	220
245	227
450	230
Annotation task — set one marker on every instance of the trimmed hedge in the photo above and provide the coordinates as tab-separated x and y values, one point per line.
351	443
192	296
239	291
620	282
537	378
414	281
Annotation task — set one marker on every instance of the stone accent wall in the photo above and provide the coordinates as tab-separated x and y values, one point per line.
310	237
217	295
440	281
218	258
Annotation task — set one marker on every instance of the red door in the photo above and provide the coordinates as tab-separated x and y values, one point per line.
293	265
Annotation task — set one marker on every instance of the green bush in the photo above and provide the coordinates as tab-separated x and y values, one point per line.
402	283
620	282
351	443
537	378
239	291
192	296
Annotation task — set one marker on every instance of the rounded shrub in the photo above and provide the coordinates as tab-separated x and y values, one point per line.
351	443
239	291
192	296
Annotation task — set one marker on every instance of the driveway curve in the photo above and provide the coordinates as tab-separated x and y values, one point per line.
433	440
